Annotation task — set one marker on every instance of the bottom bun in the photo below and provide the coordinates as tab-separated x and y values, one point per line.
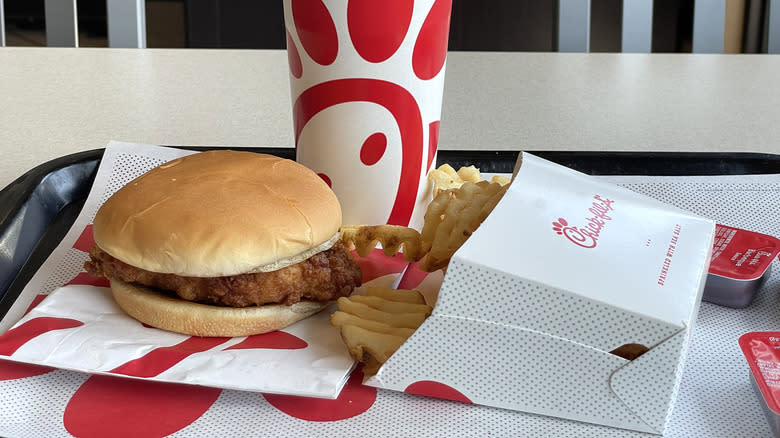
195	319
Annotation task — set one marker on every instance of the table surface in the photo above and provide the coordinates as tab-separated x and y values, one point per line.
58	101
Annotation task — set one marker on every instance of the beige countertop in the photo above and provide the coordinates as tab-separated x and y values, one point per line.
56	101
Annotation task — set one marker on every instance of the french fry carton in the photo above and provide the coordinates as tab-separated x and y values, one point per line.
536	305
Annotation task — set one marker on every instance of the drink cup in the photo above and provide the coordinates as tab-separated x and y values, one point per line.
366	82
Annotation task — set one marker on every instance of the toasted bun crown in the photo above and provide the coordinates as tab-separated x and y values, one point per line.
219	213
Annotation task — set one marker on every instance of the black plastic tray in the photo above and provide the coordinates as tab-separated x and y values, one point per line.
38	208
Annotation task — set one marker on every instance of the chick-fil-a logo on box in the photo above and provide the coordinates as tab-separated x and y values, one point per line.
587	236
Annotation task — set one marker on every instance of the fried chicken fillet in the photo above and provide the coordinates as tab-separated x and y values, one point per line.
325	276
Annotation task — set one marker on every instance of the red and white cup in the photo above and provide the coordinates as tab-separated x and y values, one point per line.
366	82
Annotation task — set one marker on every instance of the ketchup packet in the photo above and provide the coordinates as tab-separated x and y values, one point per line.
762	351
740	261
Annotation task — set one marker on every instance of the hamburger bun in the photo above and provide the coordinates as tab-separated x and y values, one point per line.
217	214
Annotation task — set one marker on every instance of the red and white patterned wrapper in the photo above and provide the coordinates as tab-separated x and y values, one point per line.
78	325
98	372
366	82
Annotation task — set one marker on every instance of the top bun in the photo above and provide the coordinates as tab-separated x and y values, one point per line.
219	213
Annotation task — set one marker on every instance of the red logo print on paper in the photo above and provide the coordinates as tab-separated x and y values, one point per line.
118	407
15	338
162	359
353	400
431	388
109	406
150	405
16	370
587	236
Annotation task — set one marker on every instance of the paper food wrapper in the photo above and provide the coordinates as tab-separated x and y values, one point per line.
79	327
565	273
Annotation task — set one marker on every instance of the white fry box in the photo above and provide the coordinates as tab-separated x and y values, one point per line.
564	270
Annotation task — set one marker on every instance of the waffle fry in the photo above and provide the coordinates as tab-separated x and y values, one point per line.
501	179
434	217
461	202
401	319
443	178
374	326
469	173
452	217
392	237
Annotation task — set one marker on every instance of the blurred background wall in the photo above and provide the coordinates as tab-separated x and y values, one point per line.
491	25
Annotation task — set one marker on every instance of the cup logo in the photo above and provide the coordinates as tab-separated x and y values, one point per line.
366	81
587	236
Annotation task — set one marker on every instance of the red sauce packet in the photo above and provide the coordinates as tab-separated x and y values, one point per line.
762	351
741	260
742	254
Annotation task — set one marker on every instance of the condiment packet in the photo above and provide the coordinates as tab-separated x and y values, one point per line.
762	351
741	260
